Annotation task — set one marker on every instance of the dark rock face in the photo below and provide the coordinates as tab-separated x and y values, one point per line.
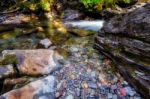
126	40
72	15
62	5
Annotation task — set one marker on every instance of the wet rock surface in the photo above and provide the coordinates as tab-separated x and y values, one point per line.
42	88
84	76
15	18
125	40
84	73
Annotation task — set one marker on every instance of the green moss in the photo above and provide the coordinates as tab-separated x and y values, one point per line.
8	35
82	32
63	52
8	59
37	5
11	34
44	5
71	41
41	35
90	52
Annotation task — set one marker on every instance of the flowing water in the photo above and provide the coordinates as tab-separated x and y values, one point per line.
95	25
86	73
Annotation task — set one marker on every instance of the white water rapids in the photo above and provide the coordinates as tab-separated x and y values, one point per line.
95	25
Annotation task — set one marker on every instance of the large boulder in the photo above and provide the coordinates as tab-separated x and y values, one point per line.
35	62
40	89
126	40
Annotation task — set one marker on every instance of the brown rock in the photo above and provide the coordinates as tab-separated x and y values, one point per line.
84	85
11	83
35	62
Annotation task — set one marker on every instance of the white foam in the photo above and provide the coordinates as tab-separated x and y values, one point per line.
95	25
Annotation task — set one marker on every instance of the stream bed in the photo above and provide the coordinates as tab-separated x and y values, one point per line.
85	73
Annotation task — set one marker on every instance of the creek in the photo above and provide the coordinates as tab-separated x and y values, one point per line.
86	73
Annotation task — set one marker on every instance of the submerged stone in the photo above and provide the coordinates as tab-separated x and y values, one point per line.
92	85
45	43
110	96
80	32
130	91
69	97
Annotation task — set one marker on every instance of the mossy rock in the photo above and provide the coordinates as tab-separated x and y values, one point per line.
8	59
63	52
81	32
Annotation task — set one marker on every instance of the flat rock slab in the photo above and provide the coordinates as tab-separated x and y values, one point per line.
40	89
35	62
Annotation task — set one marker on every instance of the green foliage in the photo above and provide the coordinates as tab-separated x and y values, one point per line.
35	5
45	5
26	5
89	3
99	4
127	1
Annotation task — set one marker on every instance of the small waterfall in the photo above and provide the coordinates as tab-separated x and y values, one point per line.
95	25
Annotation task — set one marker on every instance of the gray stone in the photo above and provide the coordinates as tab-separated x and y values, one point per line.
93	74
115	97
45	43
78	92
92	85
6	70
74	49
139	73
125	39
69	97
109	96
130	91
